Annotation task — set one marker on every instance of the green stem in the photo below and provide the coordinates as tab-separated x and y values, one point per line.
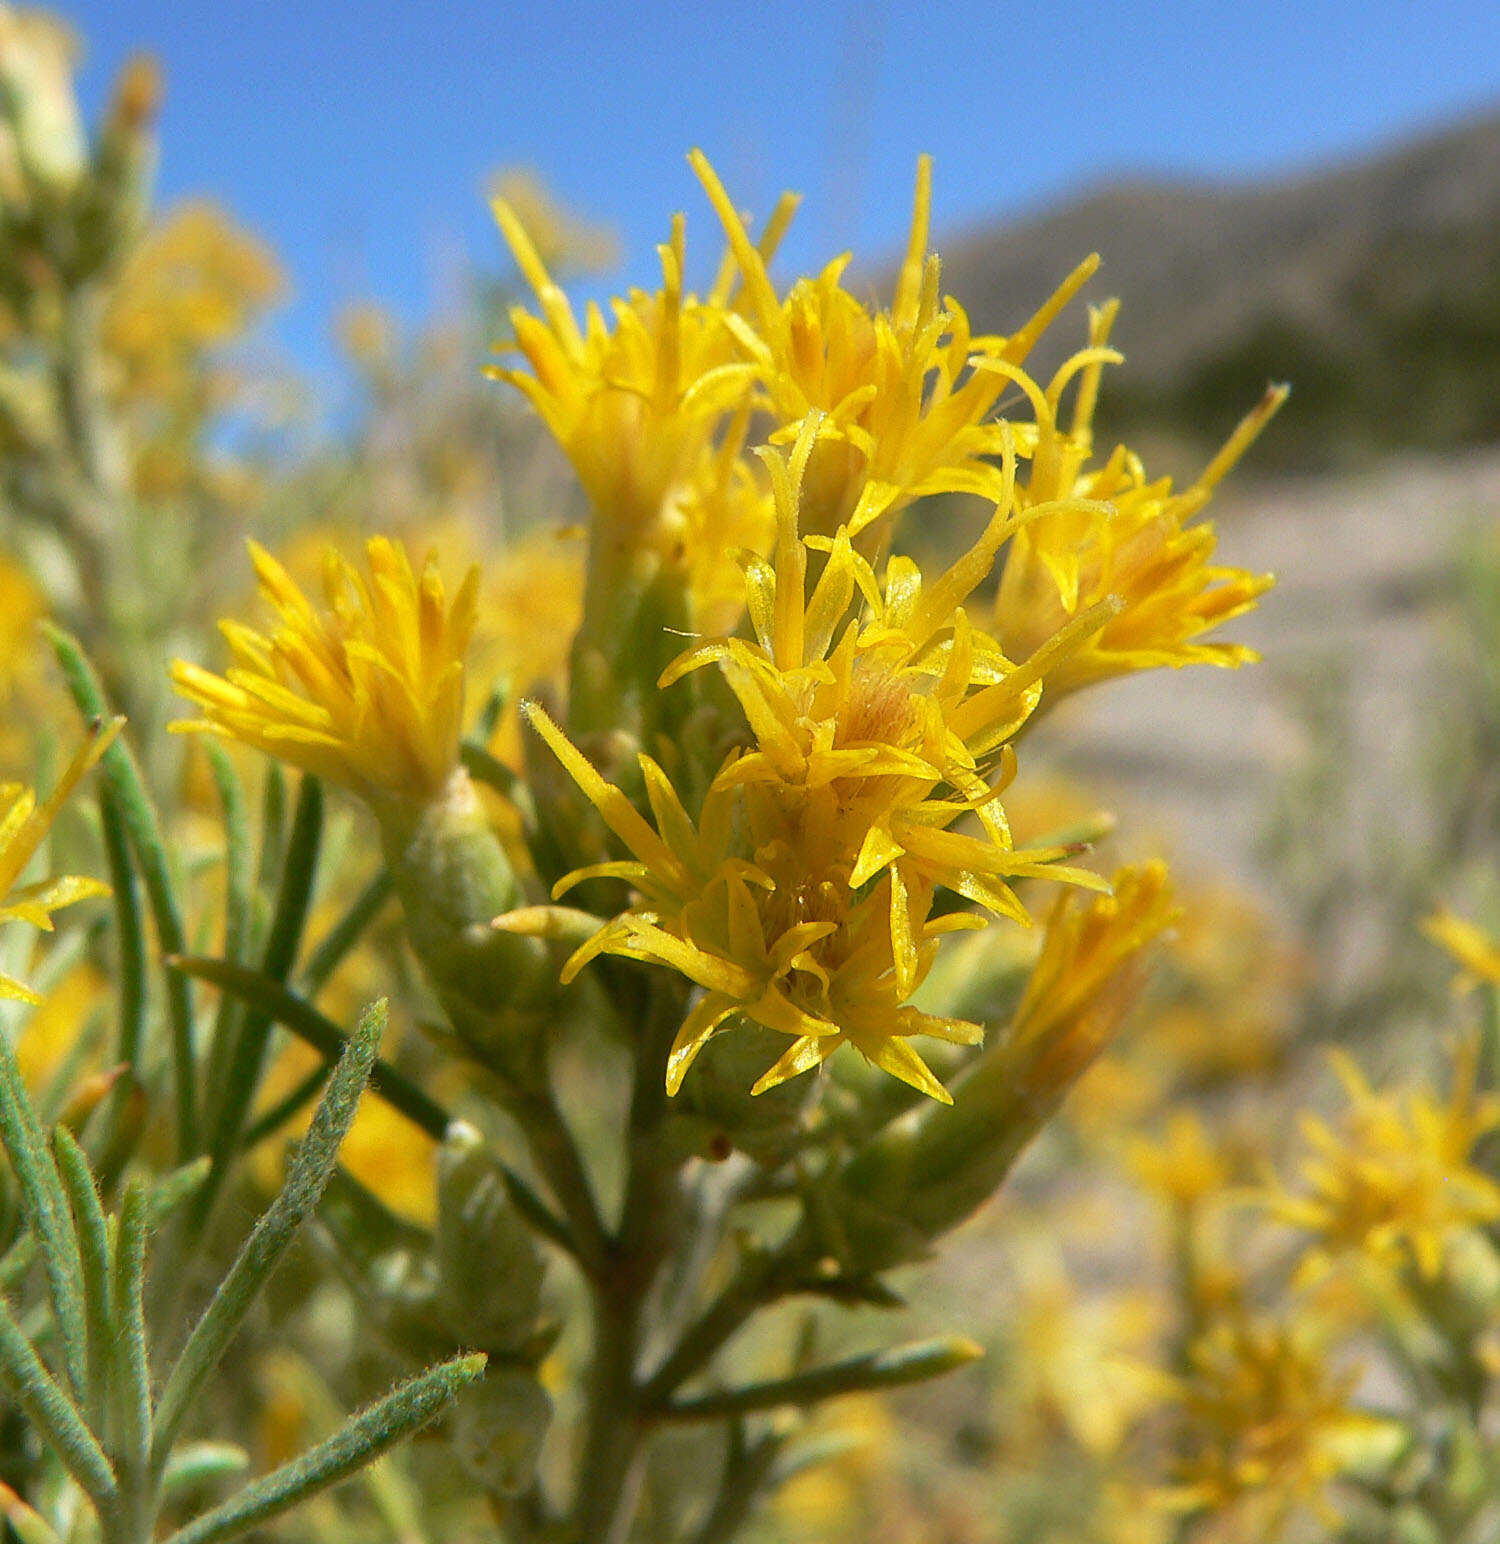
752	1286
611	1469
746	1468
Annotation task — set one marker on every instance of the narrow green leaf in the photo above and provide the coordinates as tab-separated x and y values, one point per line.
203	1463
46	1213
54	1415
368	1434
241	1076
333	948
879	1370
307	1176
131	1372
130	934
123	777
537	1212
304	1021
93	1245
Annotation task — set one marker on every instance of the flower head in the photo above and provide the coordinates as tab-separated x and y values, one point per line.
900	411
366	692
23	827
1088	972
742	910
1395	1180
880	714
635	406
1266	1421
1133	540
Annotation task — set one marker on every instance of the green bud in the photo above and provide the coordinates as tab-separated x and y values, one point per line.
498	1428
36	90
118	205
925	1173
454	879
768	1127
489	1266
636	612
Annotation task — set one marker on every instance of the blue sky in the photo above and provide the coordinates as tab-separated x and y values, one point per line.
356	137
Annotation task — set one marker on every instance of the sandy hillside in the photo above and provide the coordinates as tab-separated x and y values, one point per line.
1361	564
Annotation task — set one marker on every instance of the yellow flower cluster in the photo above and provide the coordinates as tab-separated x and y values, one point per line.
810	891
1396	1180
367	692
875	710
1267	1424
1129	539
858	818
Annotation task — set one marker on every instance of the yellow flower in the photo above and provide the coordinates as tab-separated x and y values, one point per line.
1395	1180
900	413
749	915
196	281
635	407
1265	1422
367	692
1089	972
873	705
1181	1165
23	827
1075	1360
1471	946
1132	541
530	606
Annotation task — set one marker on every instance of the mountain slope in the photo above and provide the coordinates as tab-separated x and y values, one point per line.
1373	286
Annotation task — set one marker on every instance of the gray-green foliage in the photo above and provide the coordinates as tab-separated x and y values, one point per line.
94	1406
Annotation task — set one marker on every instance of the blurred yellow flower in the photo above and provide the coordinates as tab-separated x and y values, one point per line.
22	687
196	281
1265	1424
1182	1165
367	692
24	825
1395	1180
1076	1362
1470	945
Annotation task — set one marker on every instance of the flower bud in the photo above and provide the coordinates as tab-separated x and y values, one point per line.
925	1173
41	111
454	879
765	1126
489	1267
